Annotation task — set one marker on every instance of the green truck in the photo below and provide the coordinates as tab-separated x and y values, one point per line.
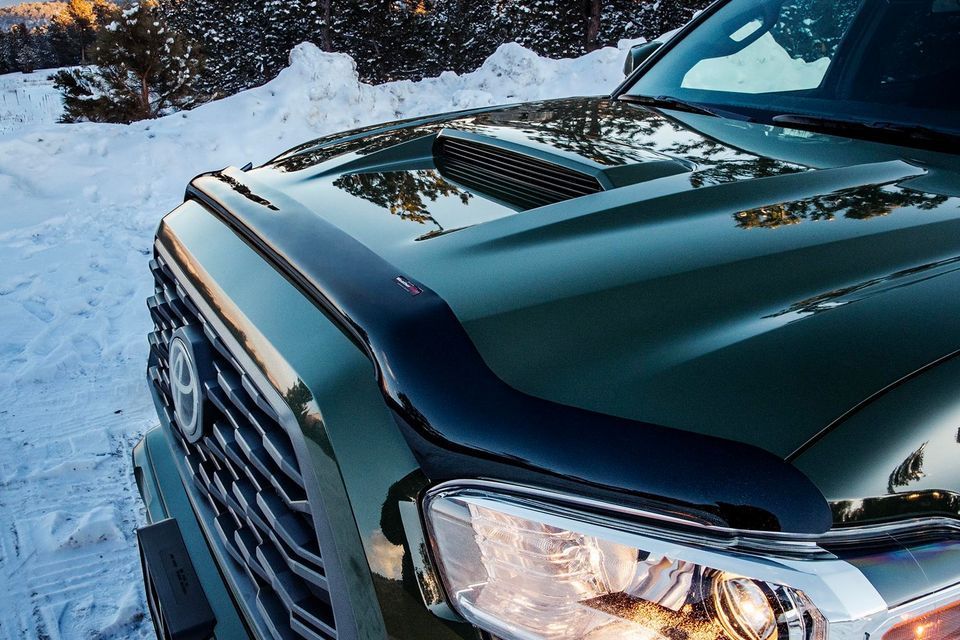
674	363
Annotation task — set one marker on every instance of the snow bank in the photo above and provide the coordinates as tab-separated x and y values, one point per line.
78	208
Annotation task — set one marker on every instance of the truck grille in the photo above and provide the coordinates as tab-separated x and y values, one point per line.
523	181
246	468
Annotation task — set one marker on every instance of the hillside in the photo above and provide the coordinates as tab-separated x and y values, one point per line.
33	14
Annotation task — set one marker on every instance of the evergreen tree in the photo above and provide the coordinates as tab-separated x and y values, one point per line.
25	49
6	53
61	37
811	40
644	18
247	43
72	31
285	24
231	36
326	25
83	20
24	52
463	34
144	69
41	54
389	39
553	28
593	12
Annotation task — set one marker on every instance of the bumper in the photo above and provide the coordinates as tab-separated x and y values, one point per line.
159	470
166	497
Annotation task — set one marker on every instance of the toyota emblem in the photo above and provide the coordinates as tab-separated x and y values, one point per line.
185	388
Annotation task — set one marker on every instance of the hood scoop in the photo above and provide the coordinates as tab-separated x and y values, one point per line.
520	180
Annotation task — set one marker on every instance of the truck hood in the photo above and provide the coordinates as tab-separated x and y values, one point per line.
727	278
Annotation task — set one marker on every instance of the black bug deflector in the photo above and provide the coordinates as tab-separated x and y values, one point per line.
464	421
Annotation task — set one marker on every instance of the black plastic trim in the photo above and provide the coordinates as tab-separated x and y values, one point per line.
177	603
463	421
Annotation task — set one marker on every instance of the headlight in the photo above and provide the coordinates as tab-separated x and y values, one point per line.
526	568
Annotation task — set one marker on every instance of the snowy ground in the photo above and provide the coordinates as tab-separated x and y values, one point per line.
28	98
78	207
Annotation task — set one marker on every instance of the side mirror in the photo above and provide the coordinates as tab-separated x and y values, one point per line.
638	54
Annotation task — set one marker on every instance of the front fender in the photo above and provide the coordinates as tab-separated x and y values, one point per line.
896	457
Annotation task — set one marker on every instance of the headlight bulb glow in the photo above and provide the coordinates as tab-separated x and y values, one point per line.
743	608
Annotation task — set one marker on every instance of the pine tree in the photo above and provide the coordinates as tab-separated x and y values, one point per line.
463	34
7	64
593	10
72	31
60	35
644	18
287	23
23	53
144	69
817	39
84	20
326	25
25	49
246	43
389	39
103	12
553	28
231	38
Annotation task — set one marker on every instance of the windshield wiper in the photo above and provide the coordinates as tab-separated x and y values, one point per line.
880	131
669	102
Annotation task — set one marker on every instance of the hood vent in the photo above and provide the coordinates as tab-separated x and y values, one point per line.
519	180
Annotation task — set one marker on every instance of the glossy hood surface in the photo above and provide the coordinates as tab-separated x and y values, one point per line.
740	280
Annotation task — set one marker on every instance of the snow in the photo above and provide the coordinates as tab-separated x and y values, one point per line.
78	207
28	98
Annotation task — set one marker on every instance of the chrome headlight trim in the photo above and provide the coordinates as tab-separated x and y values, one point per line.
773	541
851	605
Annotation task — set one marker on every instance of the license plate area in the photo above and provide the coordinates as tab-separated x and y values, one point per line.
178	605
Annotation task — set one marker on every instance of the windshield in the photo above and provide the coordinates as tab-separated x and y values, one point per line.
887	64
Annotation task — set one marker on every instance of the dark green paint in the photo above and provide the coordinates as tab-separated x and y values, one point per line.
906	443
331	383
638	54
744	280
741	280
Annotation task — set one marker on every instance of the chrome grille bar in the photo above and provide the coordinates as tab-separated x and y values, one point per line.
246	468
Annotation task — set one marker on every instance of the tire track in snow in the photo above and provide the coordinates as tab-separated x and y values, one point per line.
69	509
73	401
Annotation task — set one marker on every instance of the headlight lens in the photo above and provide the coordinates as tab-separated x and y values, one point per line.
527	569
743	608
